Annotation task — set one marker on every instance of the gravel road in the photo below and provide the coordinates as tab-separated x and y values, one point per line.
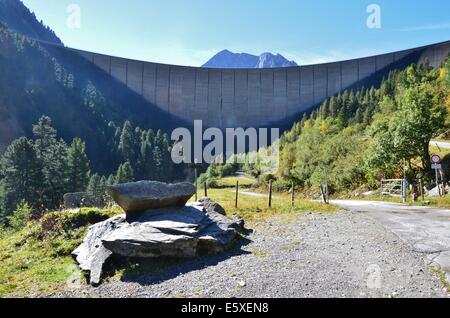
344	254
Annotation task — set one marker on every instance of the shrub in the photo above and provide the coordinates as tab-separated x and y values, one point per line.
55	224
265	178
21	216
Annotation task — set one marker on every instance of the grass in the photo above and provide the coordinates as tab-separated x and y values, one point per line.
441	152
441	276
256	209
36	260
231	182
440	202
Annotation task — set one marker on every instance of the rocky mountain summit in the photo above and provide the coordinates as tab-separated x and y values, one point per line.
157	222
228	59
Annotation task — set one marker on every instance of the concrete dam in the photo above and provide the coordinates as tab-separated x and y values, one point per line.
254	97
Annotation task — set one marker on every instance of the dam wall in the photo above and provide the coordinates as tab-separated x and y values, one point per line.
251	97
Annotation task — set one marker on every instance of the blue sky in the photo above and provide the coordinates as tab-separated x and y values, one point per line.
189	32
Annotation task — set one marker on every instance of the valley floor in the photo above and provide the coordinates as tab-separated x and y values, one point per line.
335	254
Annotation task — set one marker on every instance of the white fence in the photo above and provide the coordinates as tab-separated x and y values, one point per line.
392	187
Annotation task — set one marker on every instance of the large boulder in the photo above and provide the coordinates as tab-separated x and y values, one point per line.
177	232
91	255
144	195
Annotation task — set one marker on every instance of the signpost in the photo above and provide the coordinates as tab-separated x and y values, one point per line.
435	159
436	165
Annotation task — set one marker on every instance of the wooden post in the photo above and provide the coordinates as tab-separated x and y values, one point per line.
324	191
421	189
293	195
206	189
236	195
270	194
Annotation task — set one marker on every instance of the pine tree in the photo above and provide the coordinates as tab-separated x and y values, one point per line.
158	169
125	173
304	119
77	166
167	165
324	109
367	117
342	118
146	158
358	116
53	154
111	180
333	107
127	142
97	189
45	135
23	178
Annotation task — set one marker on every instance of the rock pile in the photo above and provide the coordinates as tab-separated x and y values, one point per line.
157	222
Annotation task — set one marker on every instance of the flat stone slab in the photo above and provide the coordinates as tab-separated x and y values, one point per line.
145	195
177	232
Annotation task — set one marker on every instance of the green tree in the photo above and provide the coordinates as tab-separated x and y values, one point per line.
97	189
20	216
127	142
78	166
407	134
447	73
53	155
420	118
22	171
125	173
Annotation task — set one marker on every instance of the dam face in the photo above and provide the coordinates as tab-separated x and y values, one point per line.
253	97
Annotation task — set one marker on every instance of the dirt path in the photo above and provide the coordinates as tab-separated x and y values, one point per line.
344	254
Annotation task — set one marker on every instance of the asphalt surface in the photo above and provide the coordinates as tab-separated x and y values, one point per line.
440	144
425	229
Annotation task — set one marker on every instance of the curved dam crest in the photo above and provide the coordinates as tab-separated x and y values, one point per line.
254	97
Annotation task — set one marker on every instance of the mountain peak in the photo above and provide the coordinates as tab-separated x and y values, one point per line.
228	59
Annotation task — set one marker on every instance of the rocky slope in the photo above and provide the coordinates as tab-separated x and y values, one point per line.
228	59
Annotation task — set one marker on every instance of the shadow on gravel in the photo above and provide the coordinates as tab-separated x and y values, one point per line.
154	271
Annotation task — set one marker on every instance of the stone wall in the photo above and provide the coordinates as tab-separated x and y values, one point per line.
250	97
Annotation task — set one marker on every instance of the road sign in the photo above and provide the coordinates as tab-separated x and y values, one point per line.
436	166
435	159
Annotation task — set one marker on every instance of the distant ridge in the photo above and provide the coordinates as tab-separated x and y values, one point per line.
20	19
228	59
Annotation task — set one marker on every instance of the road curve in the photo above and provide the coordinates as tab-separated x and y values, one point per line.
425	229
440	144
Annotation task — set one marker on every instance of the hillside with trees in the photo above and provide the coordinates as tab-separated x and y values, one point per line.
360	137
37	172
65	125
39	79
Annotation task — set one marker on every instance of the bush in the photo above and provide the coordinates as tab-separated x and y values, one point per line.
281	186
21	216
55	224
83	217
265	178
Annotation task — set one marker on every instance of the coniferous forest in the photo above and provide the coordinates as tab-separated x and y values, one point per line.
88	132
